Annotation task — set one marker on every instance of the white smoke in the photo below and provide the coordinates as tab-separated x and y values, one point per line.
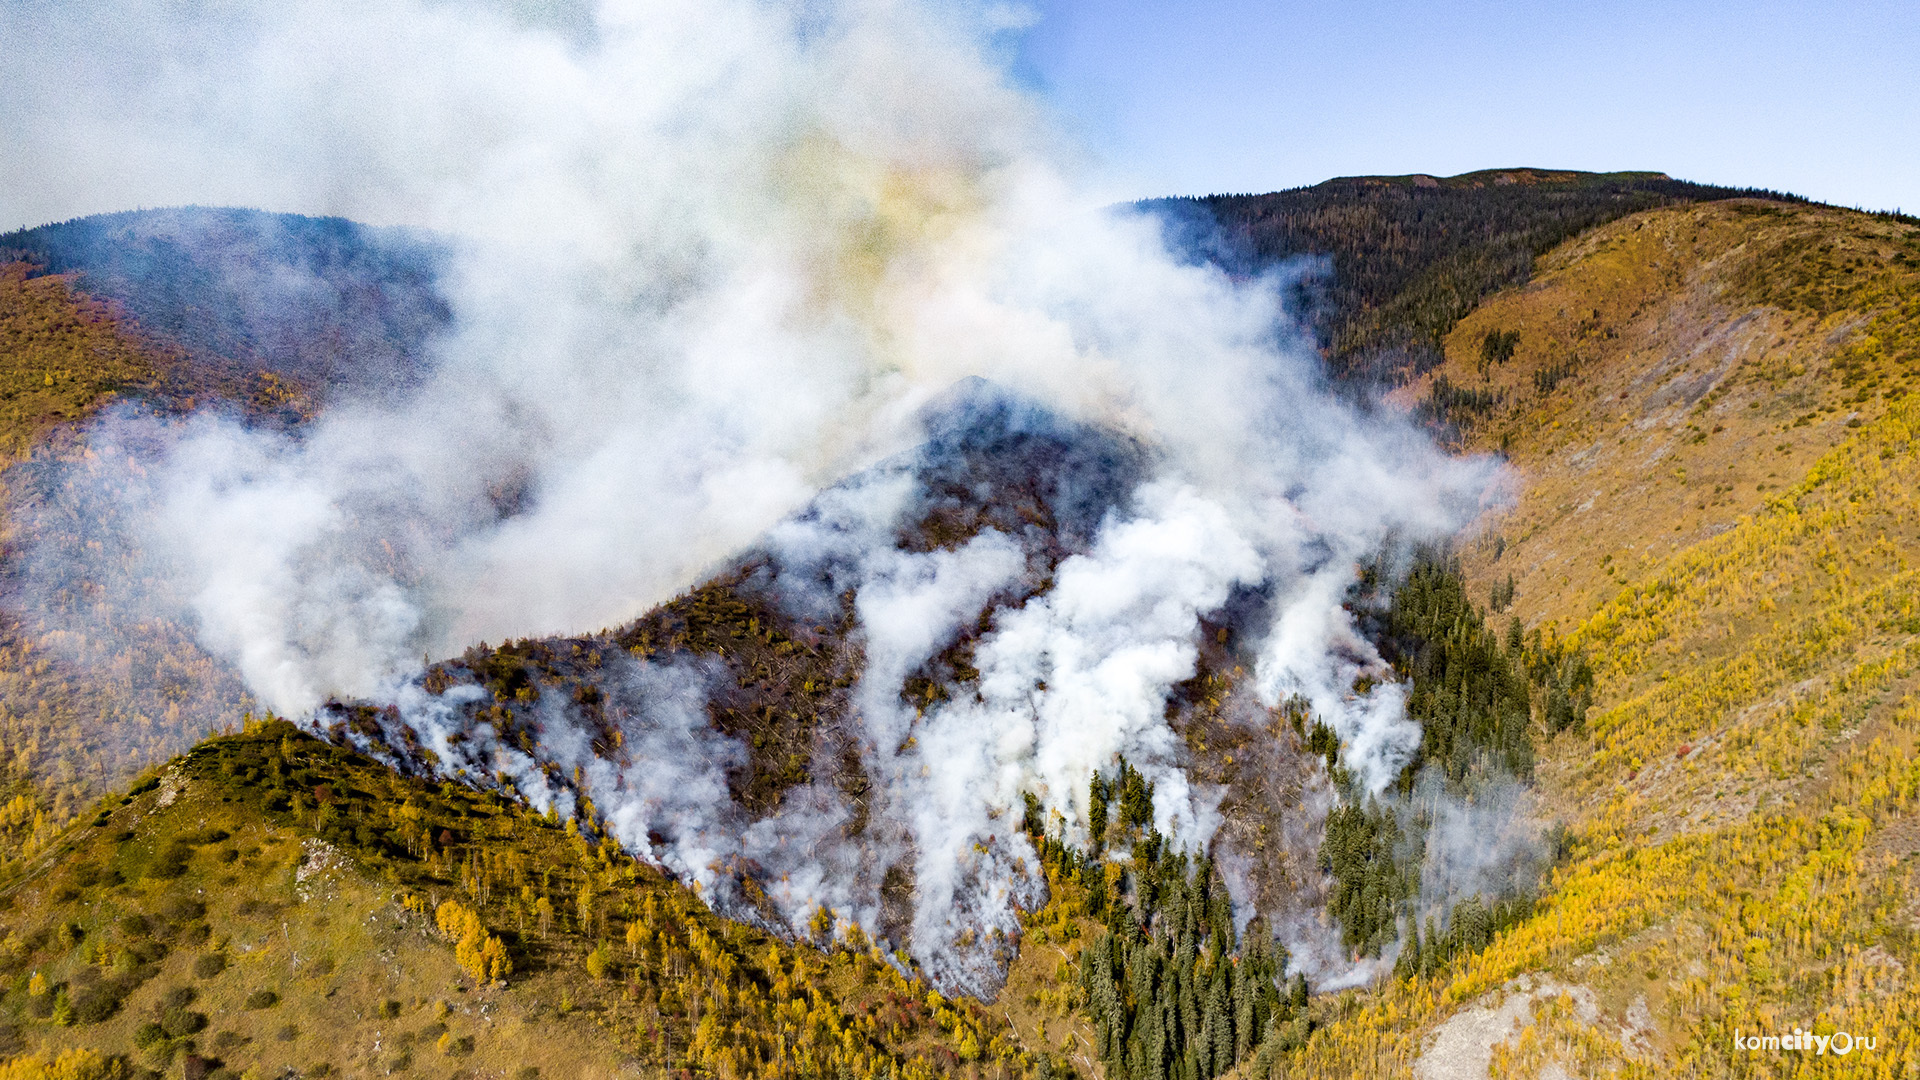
1488	844
1067	681
714	257
1081	675
1316	652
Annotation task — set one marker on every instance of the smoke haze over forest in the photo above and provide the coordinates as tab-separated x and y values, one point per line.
709	261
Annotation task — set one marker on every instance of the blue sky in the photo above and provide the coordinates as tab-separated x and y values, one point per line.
1238	95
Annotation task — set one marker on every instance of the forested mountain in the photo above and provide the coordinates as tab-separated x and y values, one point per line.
1664	789
1709	408
1404	257
322	303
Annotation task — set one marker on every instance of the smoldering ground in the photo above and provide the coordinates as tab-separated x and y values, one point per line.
709	261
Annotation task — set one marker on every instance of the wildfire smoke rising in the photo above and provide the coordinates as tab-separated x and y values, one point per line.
714	259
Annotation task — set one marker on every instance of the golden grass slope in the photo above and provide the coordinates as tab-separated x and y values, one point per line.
1672	370
61	356
64	355
274	906
1720	502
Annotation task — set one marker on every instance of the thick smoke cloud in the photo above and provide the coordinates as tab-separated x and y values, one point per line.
713	258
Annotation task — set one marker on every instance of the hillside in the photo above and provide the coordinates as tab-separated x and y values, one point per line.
268	905
1407	256
321	303
1706	413
1666	376
73	729
65	354
1710	538
270	315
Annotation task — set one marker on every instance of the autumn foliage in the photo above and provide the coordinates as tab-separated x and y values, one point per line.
478	953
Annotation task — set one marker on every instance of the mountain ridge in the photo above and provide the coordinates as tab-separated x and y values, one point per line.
1405	258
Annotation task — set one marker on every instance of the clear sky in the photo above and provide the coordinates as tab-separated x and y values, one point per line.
110	104
1821	99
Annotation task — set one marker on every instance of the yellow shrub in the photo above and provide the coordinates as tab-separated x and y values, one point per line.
72	1064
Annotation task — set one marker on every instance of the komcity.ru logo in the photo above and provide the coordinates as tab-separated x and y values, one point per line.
1839	1043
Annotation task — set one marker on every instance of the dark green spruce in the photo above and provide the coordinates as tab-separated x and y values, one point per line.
1174	993
1477	696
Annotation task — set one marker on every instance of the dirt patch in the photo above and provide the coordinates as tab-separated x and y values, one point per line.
1462	1047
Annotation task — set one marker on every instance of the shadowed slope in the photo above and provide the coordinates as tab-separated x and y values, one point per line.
323	302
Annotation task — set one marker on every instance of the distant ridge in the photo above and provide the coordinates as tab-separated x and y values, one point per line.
1483	178
1403	258
326	302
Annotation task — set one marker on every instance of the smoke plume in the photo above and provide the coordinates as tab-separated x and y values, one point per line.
716	266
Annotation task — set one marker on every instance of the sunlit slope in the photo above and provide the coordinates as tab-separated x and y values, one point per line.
324	303
1717	503
275	906
64	354
1669	373
60	355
